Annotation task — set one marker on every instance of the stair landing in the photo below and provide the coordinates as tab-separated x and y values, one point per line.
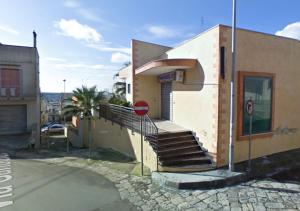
165	126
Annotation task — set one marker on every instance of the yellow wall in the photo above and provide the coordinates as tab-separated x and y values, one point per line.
142	53
195	102
108	135
258	52
148	89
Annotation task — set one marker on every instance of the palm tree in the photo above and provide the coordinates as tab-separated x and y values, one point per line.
84	101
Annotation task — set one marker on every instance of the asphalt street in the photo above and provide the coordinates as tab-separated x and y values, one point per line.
36	186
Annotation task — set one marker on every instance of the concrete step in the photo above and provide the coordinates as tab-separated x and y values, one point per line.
187	161
178	150
186	168
173	134
190	154
176	144
206	179
175	138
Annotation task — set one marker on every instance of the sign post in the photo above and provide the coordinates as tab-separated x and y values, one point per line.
250	110
141	108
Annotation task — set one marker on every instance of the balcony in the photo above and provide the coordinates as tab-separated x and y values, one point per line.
14	93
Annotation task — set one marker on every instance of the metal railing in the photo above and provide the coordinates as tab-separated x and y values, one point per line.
126	117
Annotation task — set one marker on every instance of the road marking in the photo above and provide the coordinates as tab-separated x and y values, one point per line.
5	176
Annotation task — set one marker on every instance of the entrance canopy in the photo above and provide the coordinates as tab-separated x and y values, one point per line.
158	67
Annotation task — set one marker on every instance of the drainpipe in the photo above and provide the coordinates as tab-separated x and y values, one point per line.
232	89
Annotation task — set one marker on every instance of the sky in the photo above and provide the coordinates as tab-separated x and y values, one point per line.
87	41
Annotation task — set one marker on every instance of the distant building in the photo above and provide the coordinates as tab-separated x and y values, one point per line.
51	106
19	89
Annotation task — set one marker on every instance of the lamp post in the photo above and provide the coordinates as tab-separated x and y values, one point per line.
232	89
64	97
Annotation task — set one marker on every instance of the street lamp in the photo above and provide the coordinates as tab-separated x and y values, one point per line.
232	88
64	97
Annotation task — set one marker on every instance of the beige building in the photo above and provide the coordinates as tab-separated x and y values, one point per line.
19	90
188	91
189	85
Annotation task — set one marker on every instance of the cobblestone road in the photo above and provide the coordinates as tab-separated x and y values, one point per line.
253	195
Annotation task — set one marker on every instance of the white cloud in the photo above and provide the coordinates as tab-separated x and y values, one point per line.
85	13
63	64
106	48
292	31
54	70
8	29
120	58
72	28
160	31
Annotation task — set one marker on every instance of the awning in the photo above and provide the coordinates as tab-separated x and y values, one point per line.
158	67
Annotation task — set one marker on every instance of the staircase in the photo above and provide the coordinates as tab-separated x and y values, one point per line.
179	152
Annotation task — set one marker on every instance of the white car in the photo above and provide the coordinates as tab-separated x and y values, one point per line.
55	128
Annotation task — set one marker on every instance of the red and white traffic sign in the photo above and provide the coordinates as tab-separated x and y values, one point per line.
141	108
250	107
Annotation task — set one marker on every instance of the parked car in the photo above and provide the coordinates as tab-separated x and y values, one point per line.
55	128
49	124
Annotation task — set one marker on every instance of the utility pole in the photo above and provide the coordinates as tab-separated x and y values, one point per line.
232	88
64	98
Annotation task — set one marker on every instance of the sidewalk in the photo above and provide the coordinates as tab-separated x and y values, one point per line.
263	194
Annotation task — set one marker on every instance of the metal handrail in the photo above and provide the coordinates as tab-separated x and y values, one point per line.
126	117
152	135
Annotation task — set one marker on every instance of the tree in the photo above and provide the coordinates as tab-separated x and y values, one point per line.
116	100
84	101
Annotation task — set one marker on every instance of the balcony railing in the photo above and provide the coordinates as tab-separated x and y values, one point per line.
16	93
9	91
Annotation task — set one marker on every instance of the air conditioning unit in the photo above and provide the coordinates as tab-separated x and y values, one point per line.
3	92
179	75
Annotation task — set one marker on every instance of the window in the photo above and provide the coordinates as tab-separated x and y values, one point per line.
10	82
128	89
258	87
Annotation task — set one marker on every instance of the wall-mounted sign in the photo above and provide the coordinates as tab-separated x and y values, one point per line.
250	107
166	77
177	75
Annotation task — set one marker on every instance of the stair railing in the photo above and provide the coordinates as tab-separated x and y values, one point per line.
126	117
151	134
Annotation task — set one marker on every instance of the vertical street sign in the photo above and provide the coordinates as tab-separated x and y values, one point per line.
141	108
250	110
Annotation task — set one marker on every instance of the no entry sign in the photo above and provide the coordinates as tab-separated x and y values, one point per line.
250	107
141	108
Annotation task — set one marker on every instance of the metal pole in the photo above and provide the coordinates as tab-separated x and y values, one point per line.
250	133
232	90
64	97
90	137
142	153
